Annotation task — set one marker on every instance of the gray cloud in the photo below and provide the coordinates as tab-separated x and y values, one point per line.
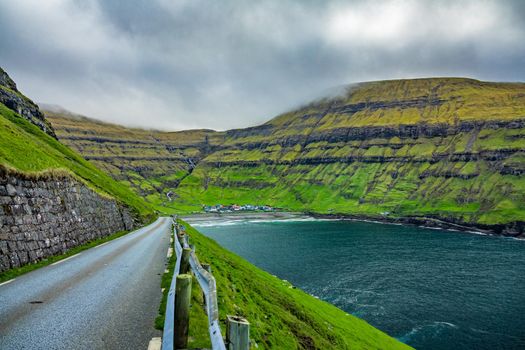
196	63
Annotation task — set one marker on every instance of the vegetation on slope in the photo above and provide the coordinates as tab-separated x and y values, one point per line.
281	316
440	148
413	101
445	148
150	162
25	147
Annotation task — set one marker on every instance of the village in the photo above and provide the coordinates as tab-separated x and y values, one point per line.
219	208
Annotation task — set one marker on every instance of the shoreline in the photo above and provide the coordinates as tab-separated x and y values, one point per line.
276	215
513	230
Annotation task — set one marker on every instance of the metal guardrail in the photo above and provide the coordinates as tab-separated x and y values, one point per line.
167	336
208	286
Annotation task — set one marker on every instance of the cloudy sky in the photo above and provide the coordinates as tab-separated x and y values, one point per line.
225	64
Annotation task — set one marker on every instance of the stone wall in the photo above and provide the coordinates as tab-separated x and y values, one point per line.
48	214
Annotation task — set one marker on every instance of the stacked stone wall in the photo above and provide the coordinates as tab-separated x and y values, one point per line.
41	216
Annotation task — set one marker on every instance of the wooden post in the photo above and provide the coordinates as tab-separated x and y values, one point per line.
237	333
185	261
182	311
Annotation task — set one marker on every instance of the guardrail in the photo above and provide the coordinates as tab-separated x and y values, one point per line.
169	320
238	328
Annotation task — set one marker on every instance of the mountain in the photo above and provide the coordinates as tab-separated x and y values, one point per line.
422	150
29	150
151	162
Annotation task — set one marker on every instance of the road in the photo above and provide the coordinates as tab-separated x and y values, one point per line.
106	297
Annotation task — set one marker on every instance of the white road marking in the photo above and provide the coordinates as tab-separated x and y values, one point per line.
155	343
98	246
7	282
61	261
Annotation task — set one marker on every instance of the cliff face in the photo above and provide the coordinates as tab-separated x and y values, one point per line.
445	148
14	100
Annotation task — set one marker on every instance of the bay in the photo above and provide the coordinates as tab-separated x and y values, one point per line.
432	289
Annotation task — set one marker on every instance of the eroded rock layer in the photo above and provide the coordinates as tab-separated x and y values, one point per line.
448	149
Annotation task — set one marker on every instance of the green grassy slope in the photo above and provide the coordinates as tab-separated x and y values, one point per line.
150	162
429	100
281	316
445	148
25	147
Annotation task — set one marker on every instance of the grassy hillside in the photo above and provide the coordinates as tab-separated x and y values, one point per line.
151	162
281	316
27	148
446	148
441	148
413	101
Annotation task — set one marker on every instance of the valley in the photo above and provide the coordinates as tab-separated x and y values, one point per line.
422	150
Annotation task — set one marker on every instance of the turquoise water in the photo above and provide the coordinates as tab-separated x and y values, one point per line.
431	289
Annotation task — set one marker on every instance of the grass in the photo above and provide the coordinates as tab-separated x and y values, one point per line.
24	147
473	191
16	272
420	176
281	316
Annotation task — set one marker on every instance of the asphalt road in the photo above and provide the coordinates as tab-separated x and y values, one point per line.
106	297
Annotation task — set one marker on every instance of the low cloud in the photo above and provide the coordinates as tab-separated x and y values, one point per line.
189	64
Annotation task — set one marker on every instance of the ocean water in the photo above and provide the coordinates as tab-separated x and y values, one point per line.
432	289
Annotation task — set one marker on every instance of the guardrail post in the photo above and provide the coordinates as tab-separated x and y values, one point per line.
182	311
237	333
185	261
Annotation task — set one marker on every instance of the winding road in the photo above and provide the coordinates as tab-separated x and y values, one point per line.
106	297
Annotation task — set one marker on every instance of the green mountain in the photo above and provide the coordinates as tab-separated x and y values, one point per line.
151	162
28	146
425	150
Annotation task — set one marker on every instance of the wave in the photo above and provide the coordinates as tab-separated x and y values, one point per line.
243	221
434	328
214	223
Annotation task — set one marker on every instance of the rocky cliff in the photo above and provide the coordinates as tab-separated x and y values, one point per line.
438	149
14	100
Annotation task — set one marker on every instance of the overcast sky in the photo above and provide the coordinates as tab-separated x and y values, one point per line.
174	65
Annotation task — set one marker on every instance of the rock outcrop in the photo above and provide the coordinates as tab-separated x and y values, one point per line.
14	100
